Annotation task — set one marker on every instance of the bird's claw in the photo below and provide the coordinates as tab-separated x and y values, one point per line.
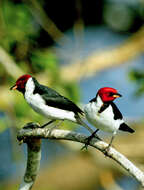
85	147
97	137
106	150
31	125
88	139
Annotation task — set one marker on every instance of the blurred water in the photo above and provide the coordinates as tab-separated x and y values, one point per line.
91	40
128	183
5	155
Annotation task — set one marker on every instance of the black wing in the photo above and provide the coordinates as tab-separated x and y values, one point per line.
54	99
117	113
41	89
62	103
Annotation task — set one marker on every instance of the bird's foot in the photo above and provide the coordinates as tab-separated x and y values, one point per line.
31	125
88	139
85	146
106	150
97	137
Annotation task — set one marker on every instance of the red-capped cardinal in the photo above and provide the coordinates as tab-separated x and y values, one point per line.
102	113
48	102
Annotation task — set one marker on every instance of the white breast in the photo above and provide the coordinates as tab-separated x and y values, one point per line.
38	104
105	120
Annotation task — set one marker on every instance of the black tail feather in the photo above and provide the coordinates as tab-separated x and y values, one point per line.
125	127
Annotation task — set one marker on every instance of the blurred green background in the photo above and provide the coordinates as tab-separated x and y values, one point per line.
75	47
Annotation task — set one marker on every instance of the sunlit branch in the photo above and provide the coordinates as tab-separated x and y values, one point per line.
97	61
8	63
56	134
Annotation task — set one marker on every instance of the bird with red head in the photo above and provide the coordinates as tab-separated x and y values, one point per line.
102	113
108	94
48	102
20	83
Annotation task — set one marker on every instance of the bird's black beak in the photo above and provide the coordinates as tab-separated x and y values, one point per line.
117	95
14	87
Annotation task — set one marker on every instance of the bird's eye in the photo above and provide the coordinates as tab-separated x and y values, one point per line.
111	94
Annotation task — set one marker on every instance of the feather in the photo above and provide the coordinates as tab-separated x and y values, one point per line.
125	127
54	99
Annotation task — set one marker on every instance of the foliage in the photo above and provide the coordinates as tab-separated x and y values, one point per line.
19	36
137	76
18	25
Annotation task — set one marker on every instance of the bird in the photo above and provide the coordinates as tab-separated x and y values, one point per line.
48	102
103	114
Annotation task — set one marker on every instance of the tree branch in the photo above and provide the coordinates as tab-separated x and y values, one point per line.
25	134
100	60
8	63
33	162
46	23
